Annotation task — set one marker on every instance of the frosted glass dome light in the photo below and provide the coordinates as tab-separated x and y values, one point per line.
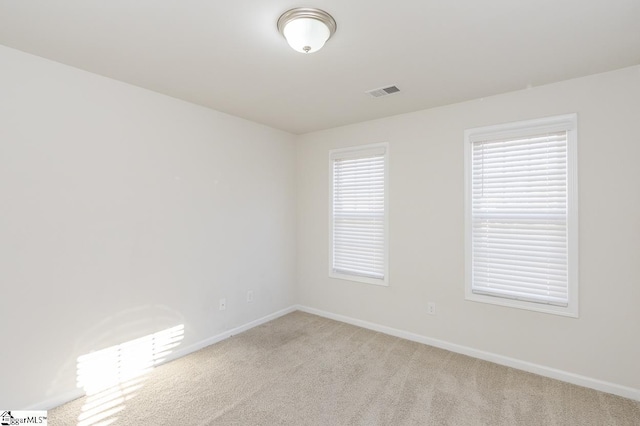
306	29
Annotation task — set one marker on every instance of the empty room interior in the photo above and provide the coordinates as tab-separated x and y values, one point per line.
340	212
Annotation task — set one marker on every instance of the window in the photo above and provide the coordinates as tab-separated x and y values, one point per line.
358	214
521	215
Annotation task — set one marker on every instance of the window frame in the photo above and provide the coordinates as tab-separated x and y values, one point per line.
351	151
568	123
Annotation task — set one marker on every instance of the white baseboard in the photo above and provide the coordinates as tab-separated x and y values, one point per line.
541	370
60	399
226	334
78	393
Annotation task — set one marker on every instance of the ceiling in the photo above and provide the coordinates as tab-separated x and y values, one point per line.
229	56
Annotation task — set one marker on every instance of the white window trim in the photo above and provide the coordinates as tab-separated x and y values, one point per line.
566	122
356	150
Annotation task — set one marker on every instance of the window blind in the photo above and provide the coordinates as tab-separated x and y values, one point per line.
358	216
519	218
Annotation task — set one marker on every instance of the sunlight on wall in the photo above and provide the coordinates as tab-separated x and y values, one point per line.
111	376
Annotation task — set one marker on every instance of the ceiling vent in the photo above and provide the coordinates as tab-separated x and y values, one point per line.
385	91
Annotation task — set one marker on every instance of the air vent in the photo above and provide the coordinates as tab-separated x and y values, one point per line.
377	93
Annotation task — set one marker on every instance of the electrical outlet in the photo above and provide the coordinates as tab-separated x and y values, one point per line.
249	296
431	308
223	304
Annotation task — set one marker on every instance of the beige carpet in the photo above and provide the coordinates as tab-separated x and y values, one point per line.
302	369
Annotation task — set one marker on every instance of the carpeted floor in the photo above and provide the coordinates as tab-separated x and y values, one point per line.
302	369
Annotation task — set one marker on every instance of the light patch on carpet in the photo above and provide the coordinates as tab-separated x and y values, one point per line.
112	376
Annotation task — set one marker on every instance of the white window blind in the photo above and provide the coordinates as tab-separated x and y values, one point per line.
359	213
520	214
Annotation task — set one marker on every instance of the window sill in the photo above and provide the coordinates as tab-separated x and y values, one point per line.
375	281
569	311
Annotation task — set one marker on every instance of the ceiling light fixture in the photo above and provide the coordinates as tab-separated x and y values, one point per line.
306	29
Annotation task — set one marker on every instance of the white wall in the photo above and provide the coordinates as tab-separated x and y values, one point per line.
427	230
124	212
